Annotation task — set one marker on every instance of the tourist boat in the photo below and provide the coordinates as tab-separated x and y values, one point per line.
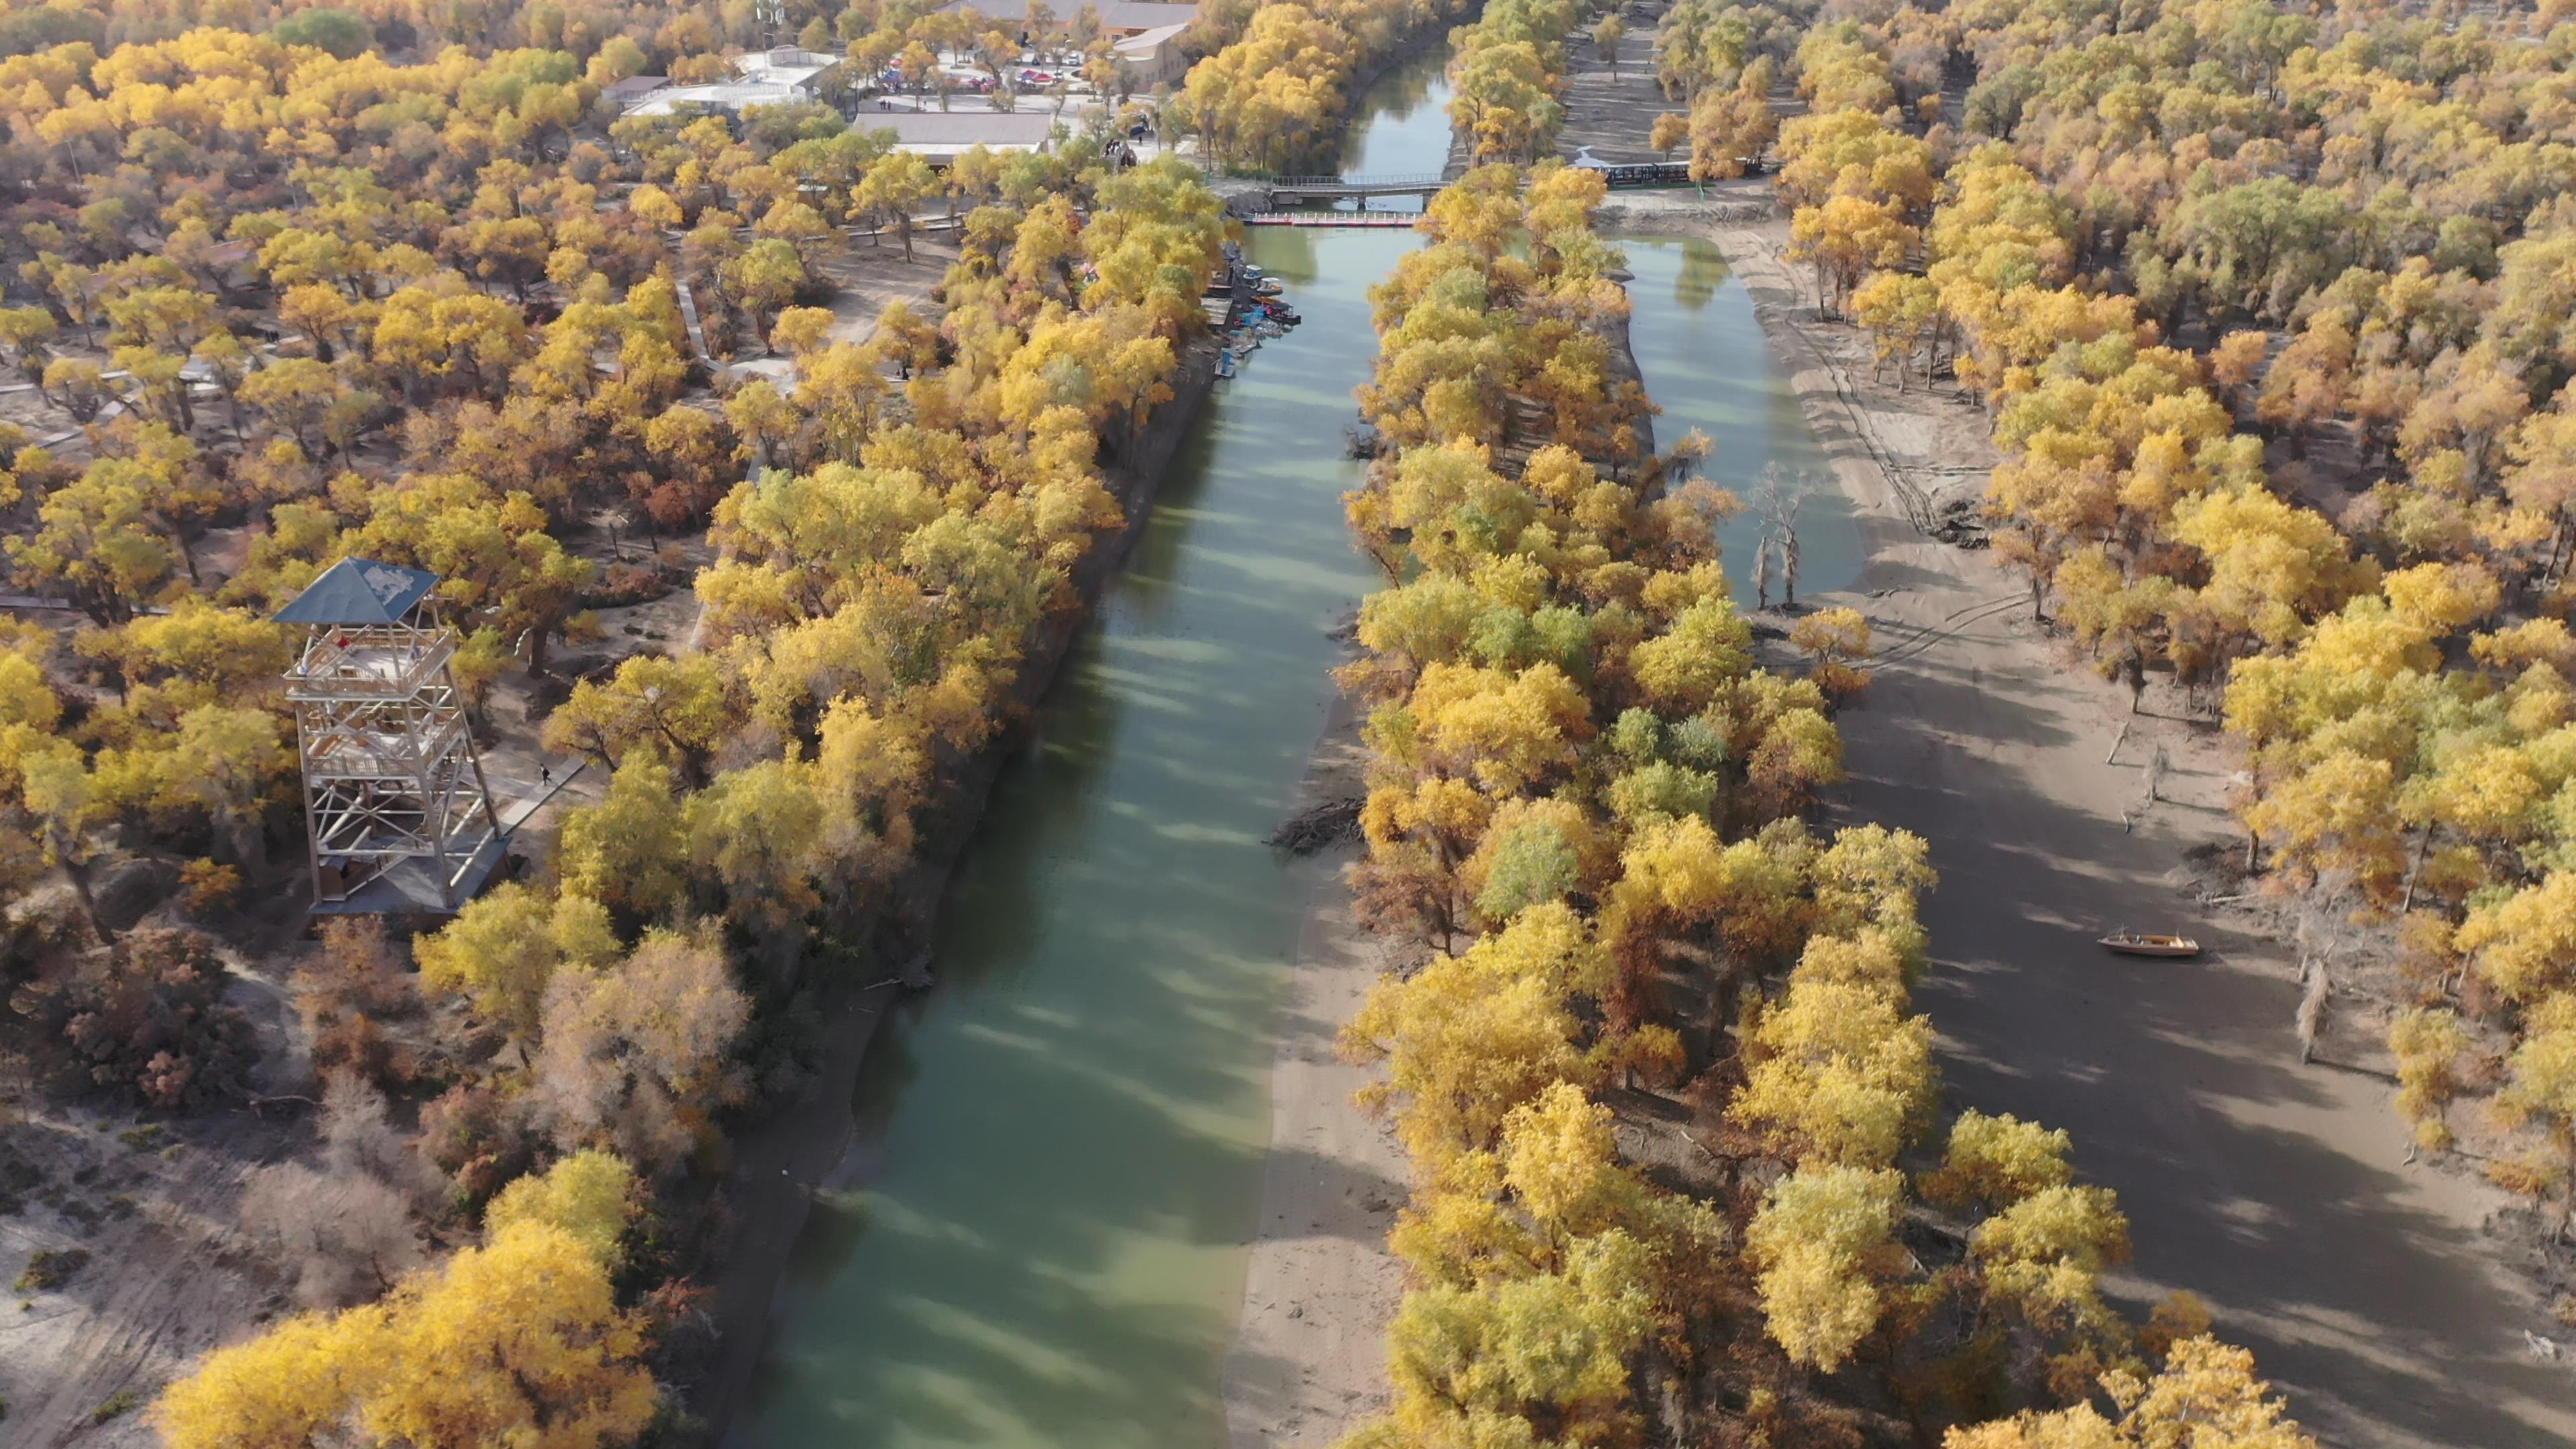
2130	943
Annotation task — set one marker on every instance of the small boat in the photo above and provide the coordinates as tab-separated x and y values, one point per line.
1225	366
1268	287
2130	943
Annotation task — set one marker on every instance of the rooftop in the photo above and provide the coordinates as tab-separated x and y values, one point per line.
730	96
783	65
1148	39
359	591
783	76
635	87
957	130
1121	15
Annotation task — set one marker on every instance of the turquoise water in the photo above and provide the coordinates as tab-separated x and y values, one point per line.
1707	365
1406	126
1059	1147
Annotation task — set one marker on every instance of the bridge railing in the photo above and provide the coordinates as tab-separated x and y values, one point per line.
1432	179
1645	173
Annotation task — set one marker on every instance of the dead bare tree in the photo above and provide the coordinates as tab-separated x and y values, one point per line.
2312	1010
610	519
346	1236
1776	501
346	1229
2322	928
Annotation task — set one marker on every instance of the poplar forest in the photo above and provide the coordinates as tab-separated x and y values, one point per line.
769	465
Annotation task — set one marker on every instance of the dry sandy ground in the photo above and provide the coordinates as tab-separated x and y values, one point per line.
1309	1360
869	274
2367	1287
166	1278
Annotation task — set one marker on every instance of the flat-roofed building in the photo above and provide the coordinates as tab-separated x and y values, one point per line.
784	76
940	137
1119	19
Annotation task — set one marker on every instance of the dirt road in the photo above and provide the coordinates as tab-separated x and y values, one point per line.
2277	1193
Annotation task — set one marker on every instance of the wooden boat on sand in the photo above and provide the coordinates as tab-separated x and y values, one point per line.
2130	943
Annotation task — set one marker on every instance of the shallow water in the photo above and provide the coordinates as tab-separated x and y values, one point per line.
1706	363
1403	128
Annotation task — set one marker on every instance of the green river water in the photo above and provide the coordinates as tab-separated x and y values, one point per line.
1059	1146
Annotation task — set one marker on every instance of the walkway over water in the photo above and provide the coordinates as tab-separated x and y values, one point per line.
1292	189
1390	220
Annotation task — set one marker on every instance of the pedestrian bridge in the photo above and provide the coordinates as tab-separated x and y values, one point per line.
1298	190
1293	190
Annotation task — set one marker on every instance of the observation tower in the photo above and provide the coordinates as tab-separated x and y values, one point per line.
396	810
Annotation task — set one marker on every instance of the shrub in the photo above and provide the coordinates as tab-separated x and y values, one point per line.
207	887
145	1017
50	1269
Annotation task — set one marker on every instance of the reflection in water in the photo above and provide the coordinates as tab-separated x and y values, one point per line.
1702	271
1404	128
1707	365
1059	1147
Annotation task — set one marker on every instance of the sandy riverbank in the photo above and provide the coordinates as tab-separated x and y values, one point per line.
2283	1195
1309	1359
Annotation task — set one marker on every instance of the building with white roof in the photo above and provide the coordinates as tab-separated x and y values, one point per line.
1119	19
1153	57
940	137
780	77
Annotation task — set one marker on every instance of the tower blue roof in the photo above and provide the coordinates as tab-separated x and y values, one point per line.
359	591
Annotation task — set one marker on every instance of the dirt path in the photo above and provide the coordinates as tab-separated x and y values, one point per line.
2277	1193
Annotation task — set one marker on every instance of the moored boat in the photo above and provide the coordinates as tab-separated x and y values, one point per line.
2132	943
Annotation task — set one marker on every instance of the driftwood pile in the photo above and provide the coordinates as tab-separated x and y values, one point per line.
1312	829
1960	522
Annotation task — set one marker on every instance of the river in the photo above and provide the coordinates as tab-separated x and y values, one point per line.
1039	1237
1707	365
